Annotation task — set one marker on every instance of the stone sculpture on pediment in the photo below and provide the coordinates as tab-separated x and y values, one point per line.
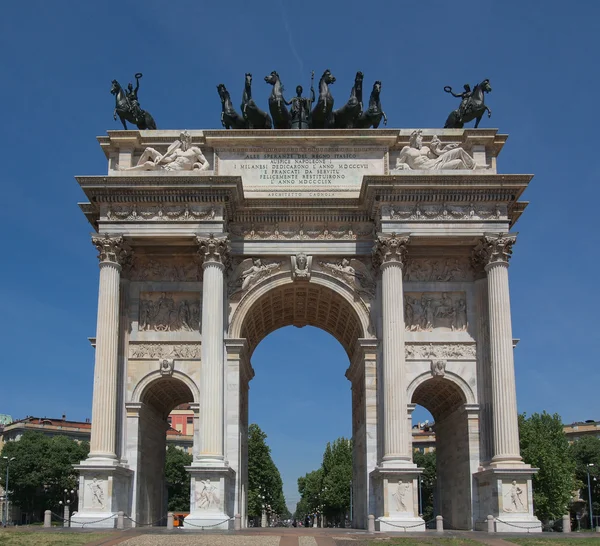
180	156
434	157
250	272
352	272
428	311
438	269
301	266
168	312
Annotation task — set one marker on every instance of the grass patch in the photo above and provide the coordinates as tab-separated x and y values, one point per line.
49	538
558	541
425	541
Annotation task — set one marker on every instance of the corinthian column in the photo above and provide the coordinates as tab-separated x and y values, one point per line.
113	253
214	253
493	253
389	254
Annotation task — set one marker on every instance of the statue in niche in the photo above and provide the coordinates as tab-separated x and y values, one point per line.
417	157
208	496
516	501
301	264
97	493
400	496
180	156
257	271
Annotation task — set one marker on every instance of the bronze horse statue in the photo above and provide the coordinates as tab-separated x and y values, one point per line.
372	116
229	117
254	116
322	114
277	104
125	112
474	107
347	115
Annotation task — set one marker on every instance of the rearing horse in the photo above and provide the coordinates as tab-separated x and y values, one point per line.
322	117
372	116
277	104
122	109
474	108
254	116
347	115
229	117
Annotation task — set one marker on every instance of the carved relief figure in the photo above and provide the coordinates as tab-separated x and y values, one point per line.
165	314
164	350
207	497
180	156
155	269
417	157
97	493
166	366
352	272
400	496
515	498
442	270
301	264
257	271
438	368
431	310
446	351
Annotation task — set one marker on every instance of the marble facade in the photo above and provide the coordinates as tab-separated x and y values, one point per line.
406	266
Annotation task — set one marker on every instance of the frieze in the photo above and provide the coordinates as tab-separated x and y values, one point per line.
153	351
443	351
429	311
169	312
301	231
439	269
159	212
165	269
446	211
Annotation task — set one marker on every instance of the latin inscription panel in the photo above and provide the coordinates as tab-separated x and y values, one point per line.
304	171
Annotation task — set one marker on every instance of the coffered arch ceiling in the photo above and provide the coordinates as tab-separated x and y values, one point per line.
165	394
440	396
302	304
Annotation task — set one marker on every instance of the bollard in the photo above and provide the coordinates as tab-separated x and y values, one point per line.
48	518
169	520
237	522
439	524
371	524
66	516
566	519
490	522
597	526
120	520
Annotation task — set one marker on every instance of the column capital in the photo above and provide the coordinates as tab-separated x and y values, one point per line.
112	249
390	249
493	249
214	250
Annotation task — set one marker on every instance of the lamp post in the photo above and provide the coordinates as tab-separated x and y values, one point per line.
66	503
590	496
8	461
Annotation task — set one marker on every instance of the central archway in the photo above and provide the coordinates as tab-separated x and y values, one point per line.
323	303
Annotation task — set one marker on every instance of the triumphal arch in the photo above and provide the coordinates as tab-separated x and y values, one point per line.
397	242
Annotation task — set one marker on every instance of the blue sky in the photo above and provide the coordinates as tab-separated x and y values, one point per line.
57	64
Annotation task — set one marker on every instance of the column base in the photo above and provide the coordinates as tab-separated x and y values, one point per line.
212	496
396	498
507	494
104	490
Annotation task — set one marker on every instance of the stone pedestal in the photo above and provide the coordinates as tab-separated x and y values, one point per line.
507	494
211	498
398	500
104	490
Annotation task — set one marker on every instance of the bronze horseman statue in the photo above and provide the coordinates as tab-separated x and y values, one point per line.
472	105
127	106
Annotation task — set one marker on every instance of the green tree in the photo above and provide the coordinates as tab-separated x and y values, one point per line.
41	470
178	479
337	479
264	479
309	487
586	451
545	446
427	462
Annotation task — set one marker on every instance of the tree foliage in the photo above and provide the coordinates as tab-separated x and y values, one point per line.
264	479
41	470
586	451
427	461
544	445
178	479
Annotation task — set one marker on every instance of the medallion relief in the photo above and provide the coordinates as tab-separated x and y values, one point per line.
169	312
429	311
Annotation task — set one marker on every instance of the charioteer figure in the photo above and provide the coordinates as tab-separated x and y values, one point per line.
302	106
465	95
132	97
127	106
